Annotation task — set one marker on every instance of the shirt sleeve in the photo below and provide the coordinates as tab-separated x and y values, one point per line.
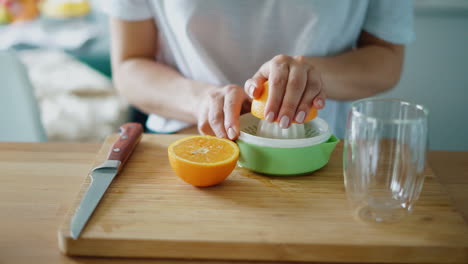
131	10
390	20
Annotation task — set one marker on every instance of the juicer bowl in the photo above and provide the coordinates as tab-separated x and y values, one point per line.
285	156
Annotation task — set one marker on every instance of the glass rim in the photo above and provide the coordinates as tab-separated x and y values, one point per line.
360	114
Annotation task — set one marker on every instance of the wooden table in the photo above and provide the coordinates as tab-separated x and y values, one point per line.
38	181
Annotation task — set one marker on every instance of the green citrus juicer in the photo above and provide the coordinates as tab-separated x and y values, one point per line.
290	156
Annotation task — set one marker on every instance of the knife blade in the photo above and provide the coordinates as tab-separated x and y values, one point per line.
102	175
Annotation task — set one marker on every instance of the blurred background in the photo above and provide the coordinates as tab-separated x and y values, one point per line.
55	76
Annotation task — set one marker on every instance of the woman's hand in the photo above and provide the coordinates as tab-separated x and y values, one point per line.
294	87
219	111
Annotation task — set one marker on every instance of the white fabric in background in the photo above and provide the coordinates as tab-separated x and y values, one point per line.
64	35
76	102
225	41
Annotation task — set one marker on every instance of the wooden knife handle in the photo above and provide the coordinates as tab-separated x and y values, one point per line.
130	136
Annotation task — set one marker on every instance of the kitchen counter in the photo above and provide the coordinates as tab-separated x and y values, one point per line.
38	182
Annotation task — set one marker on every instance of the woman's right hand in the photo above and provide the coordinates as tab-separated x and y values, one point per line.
220	110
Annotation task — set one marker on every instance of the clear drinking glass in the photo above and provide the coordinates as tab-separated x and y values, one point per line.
384	157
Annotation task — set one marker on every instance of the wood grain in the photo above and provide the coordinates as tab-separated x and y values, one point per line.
38	182
456	173
451	167
149	212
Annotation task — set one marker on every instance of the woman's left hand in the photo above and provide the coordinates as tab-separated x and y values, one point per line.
295	85
219	111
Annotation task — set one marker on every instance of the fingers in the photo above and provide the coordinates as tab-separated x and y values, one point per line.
233	102
313	96
314	85
220	116
294	89
277	80
203	125
216	115
319	100
254	87
210	119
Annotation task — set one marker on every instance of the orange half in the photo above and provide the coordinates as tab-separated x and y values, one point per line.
203	160
259	104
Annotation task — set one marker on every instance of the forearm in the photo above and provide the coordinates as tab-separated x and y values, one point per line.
156	88
360	73
150	86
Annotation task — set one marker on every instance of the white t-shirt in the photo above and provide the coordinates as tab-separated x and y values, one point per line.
225	41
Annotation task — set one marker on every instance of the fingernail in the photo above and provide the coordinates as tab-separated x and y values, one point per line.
231	133
319	103
270	117
251	90
284	122
300	117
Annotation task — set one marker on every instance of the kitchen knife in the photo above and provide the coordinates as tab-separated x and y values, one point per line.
102	175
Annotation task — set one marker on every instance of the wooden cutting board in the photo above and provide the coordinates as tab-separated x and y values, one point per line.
149	212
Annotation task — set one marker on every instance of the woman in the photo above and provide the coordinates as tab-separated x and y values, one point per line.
184	62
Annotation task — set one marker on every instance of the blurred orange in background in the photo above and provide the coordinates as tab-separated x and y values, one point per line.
18	10
23	10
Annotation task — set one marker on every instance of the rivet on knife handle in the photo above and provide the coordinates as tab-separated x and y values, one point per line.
130	136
